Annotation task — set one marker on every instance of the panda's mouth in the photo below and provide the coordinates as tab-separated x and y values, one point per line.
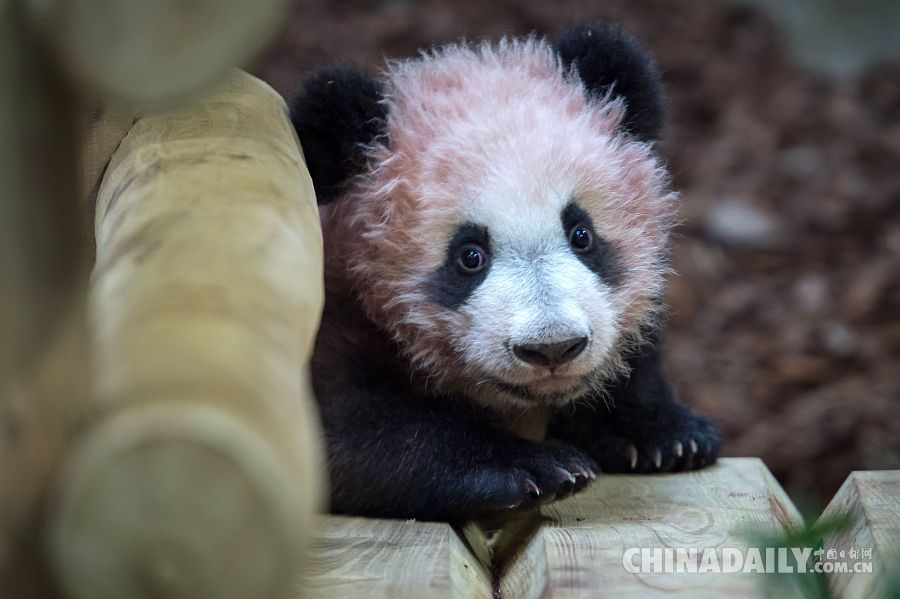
549	389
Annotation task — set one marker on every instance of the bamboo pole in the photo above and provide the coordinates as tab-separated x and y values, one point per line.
199	470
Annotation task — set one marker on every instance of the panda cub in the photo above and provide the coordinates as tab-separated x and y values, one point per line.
496	227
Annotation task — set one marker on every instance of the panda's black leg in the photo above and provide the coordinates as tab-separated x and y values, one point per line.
640	426
392	455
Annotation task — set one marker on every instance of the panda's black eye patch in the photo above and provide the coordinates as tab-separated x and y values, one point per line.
593	251
465	266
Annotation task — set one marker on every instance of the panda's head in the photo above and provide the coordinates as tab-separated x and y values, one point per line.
498	210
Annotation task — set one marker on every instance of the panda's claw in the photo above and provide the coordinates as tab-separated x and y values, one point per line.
582	472
566	475
686	442
528	476
631	453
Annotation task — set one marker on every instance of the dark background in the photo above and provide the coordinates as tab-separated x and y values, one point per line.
784	317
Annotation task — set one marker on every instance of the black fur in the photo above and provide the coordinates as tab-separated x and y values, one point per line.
641	411
337	112
608	58
397	451
602	258
451	285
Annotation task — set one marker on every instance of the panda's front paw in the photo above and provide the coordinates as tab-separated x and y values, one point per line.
687	443
528	478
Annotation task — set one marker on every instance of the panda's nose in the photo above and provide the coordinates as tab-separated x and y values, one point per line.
550	355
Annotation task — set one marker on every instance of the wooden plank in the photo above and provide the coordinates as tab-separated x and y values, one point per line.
577	549
871	502
393	559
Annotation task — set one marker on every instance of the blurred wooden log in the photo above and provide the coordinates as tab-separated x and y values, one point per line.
870	501
38	240
392	559
578	546
152	51
42	350
199	469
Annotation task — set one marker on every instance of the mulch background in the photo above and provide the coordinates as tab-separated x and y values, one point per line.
784	319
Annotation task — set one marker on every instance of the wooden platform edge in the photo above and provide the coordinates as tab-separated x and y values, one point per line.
576	547
395	559
868	508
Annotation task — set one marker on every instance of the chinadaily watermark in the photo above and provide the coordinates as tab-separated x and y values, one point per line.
765	560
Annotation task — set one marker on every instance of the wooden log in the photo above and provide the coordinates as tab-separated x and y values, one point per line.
39	249
578	544
392	559
868	503
42	350
153	51
198	470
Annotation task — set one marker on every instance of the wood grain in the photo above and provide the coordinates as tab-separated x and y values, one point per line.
577	549
871	502
392	559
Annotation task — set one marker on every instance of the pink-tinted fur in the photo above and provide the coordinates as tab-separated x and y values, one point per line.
465	114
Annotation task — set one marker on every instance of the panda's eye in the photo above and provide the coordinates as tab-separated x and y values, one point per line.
472	258
581	239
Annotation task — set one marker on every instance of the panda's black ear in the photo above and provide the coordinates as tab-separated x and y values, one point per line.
608	58
337	112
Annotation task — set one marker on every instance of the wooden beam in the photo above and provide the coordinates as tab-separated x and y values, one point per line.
870	503
197	468
392	559
575	548
578	544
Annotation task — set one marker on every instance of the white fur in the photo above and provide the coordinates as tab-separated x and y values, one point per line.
504	137
536	290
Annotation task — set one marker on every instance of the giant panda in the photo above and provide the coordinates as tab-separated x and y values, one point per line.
496	223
